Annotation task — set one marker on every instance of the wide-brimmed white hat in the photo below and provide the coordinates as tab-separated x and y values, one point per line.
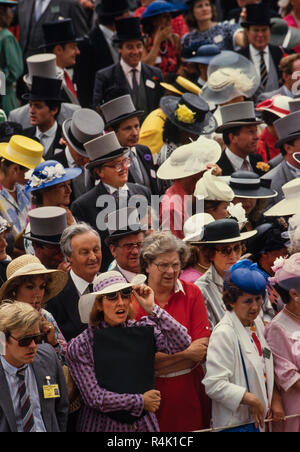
28	265
105	283
290	204
193	227
212	188
278	105
190	159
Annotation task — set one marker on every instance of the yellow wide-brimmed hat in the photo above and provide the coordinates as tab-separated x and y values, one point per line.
23	151
182	85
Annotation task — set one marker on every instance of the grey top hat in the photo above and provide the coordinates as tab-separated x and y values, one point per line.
47	225
104	148
118	110
294	105
287	128
283	35
42	65
237	115
123	222
85	125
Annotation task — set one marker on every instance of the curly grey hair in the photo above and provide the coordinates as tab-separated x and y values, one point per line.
70	232
159	243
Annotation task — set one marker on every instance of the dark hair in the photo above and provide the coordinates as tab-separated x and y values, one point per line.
52	105
211	205
284	294
6	16
269	117
50	49
5	164
231	292
235	131
190	19
10	291
171	133
282	150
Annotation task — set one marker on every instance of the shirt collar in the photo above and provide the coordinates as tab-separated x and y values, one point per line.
112	190
179	287
70	160
128	275
80	283
254	51
126	68
49	133
235	159
8	368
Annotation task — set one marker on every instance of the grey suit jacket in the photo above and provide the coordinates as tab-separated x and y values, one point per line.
279	176
22	116
265	96
30	39
54	411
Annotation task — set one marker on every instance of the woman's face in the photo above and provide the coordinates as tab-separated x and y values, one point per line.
247	308
202	10
226	255
32	291
59	194
220	212
115	311
247	203
164	270
162	21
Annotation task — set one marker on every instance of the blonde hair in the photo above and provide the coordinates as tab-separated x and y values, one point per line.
15	315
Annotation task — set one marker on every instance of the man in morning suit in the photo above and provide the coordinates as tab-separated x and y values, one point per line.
130	75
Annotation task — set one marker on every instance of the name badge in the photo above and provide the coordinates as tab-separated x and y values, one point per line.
267	353
153	173
55	9
50	391
150	84
218	39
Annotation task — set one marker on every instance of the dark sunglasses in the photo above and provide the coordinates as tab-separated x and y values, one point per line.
125	293
227	250
27	340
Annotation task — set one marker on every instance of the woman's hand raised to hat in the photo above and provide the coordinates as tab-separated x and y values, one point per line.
145	297
216	170
48	329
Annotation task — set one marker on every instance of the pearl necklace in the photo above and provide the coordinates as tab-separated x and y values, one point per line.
11	191
291	313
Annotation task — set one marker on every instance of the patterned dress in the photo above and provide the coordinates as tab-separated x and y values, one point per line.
221	35
15	212
170	337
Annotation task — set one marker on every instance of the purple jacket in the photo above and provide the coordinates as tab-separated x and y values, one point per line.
170	337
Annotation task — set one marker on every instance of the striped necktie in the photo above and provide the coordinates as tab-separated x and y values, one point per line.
263	69
25	403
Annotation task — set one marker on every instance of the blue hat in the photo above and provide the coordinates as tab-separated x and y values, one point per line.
248	277
49	173
156	8
204	54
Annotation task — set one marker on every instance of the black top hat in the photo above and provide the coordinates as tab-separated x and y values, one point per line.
190	113
111	7
59	32
128	29
257	14
269	238
44	89
8	129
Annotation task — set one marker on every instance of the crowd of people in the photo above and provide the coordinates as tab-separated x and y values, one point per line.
149	216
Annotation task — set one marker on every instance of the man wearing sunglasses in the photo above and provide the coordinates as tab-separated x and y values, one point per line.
33	395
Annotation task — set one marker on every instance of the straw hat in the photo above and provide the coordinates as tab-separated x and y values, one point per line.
290	204
190	159
212	188
105	283
27	265
23	151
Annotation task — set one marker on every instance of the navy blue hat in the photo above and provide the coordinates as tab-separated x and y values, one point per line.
156	8
204	54
49	173
248	277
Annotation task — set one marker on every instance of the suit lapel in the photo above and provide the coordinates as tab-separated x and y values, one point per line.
6	402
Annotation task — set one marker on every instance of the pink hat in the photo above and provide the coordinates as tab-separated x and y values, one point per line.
287	272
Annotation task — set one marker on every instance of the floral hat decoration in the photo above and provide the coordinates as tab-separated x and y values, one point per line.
190	113
49	173
287	272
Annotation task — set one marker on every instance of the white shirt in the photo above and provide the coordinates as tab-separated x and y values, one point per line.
128	72
80	284
112	190
236	161
255	57
46	138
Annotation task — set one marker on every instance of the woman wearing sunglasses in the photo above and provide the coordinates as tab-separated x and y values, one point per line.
240	371
222	245
112	361
30	282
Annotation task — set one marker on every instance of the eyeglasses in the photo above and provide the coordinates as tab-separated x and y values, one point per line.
131	246
164	266
227	250
27	340
126	163
125	293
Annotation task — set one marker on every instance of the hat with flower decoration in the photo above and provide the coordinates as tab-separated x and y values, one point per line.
49	173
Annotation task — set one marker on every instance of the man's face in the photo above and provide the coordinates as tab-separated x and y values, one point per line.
131	52
114	172
290	149
18	356
50	255
86	255
41	115
66	55
259	36
128	132
246	140
293	78
127	252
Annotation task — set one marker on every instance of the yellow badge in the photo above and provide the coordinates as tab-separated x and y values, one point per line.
51	391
